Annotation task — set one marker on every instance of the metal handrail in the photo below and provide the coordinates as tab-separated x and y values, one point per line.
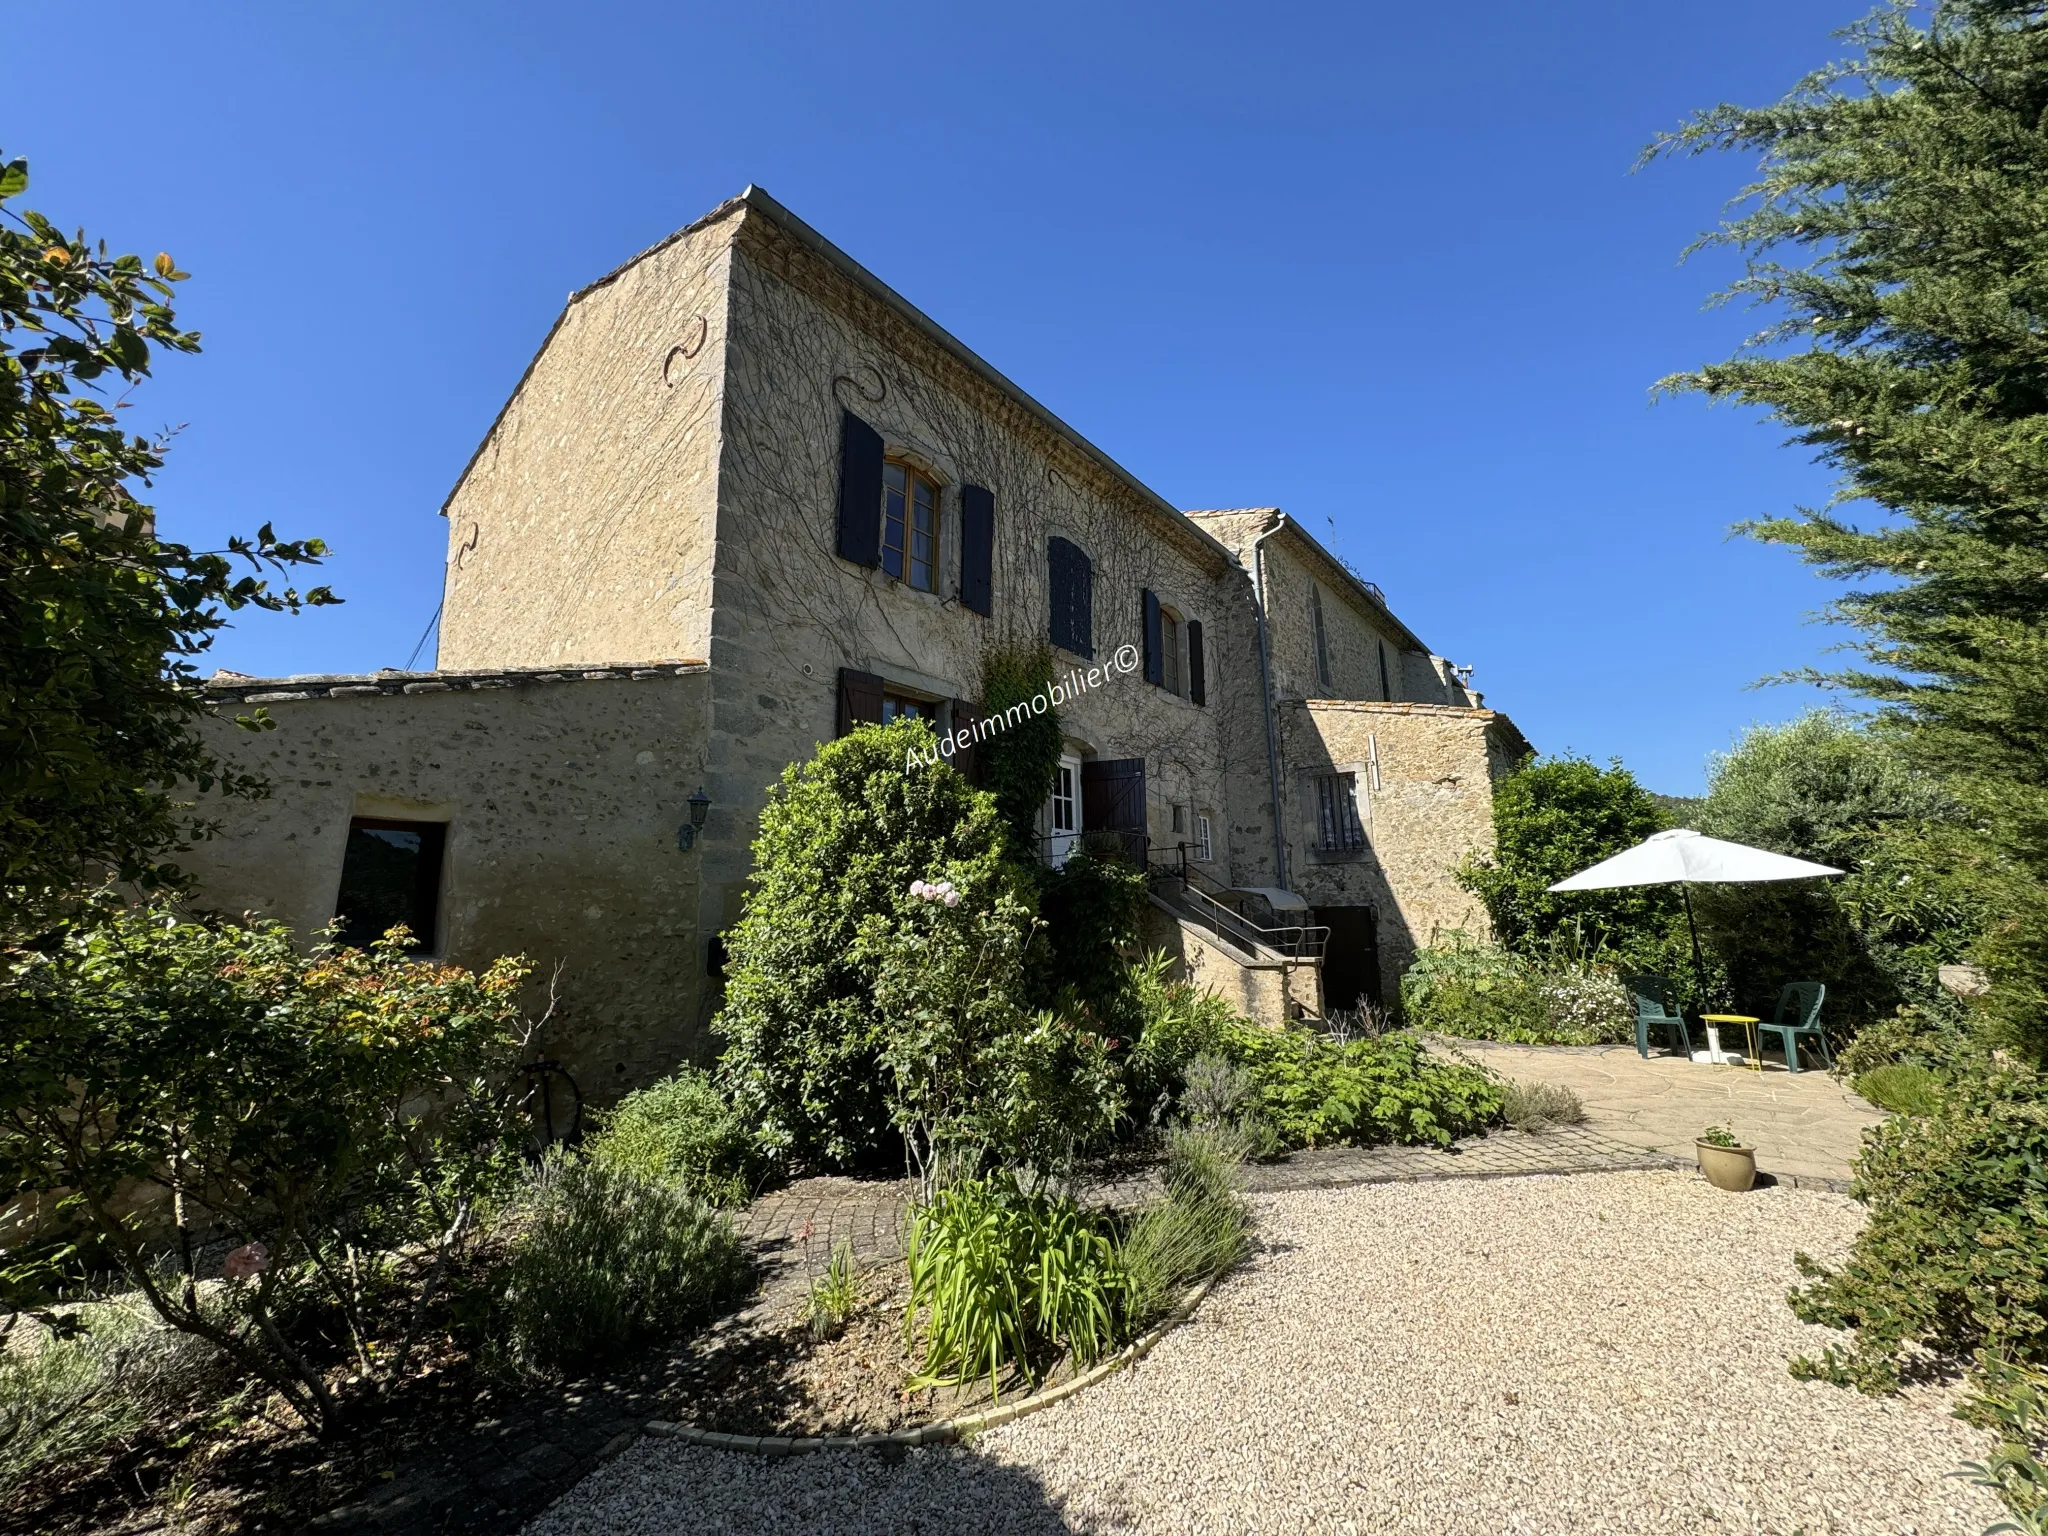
1293	941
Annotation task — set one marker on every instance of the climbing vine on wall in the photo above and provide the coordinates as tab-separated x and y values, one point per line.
1018	762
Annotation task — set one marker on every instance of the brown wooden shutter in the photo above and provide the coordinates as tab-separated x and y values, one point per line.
965	717
1198	674
977	549
1155	641
860	699
860	491
1113	800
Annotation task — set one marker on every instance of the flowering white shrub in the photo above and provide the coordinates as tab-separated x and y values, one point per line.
1587	1006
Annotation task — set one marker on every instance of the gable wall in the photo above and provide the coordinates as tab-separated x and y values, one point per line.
583	531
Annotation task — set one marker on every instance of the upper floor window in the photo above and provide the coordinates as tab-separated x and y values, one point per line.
1338	829
1386	680
910	526
1322	638
1169	650
1071	579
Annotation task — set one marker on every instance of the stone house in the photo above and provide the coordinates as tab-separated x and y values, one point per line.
746	497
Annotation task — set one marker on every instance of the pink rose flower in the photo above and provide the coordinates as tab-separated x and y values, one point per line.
245	1262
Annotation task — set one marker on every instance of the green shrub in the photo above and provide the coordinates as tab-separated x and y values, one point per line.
68	1398
2012	1402
1903	1087
1954	1256
1221	1097
1540	1106
1363	1093
842	841
1201	1228
1090	907
1000	1278
1177	1022
333	1105
1478	992
682	1130
611	1259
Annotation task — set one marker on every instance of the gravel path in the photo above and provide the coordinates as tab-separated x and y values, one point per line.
1603	1353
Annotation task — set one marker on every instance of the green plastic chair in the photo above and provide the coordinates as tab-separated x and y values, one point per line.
1653	996
1798	1014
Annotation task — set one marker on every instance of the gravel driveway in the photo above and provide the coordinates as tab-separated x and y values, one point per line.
1601	1353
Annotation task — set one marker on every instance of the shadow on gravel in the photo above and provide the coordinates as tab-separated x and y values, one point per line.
668	1487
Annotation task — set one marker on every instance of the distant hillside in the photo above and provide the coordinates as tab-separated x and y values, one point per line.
1680	808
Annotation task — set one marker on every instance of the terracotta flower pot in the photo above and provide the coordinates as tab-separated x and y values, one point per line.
1730	1168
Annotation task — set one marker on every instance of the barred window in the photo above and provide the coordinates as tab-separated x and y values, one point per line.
1337	820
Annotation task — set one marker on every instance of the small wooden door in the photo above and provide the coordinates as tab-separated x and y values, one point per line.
1351	961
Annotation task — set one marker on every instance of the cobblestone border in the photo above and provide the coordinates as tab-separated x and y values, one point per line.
944	1431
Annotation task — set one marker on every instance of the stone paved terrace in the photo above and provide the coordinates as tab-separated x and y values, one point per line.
1805	1125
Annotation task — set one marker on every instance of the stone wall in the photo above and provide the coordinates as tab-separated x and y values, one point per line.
1425	776
805	343
583	531
562	795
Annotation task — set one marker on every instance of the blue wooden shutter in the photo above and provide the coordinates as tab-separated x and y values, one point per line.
1155	644
860	491
977	549
1198	675
1072	579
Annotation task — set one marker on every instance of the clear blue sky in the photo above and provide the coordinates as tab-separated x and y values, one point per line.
1383	266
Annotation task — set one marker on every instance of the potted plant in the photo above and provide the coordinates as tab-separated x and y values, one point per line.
1726	1162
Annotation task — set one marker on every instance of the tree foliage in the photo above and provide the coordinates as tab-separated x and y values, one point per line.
1823	788
1552	818
165	1075
96	725
1897	234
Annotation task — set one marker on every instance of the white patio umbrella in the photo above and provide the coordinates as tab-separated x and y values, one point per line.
1681	857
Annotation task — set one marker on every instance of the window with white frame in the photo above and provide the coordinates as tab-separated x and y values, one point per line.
1063	812
1338	829
1205	850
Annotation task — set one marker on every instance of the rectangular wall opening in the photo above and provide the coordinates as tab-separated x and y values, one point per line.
391	874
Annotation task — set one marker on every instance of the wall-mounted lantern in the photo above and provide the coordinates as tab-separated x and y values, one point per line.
700	808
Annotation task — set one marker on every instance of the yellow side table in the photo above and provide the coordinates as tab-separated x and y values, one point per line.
1749	1022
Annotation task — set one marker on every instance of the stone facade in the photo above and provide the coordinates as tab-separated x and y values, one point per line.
562	795
664	484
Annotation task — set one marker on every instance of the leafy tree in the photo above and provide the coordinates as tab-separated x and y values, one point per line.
1897	233
843	839
96	727
1553	818
1822	788
334	1107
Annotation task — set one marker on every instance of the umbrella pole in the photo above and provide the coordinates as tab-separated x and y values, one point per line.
1698	966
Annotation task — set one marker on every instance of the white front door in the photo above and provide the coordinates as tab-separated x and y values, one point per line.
1063	813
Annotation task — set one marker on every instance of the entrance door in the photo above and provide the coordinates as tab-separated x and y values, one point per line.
1351	961
1063	817
1113	800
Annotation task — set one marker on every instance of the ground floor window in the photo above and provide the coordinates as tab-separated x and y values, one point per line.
1337	825
1063	818
391	874
1205	850
900	706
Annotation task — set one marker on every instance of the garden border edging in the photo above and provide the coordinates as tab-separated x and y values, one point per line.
944	1431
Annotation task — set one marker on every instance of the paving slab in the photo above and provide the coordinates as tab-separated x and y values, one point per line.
1804	1124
